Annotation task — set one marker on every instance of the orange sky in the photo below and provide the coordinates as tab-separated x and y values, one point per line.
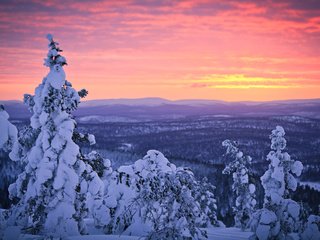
228	50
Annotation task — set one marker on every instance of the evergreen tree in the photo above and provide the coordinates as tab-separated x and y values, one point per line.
204	194
280	217
50	192
168	203
244	191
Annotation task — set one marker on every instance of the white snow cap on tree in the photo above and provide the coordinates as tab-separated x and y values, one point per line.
8	132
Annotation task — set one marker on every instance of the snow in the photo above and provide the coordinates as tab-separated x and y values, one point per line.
263	232
43	118
312	231
91	139
297	168
104	119
252	188
314	185
105	237
8	132
227	233
50	37
11	233
268	217
138	228
213	234
292	182
56	77
278	174
293	208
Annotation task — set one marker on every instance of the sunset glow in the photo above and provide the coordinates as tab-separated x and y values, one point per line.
209	49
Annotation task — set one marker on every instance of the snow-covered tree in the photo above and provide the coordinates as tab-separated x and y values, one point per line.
279	179
280	216
244	190
51	192
8	169
167	202
205	196
93	183
124	187
153	197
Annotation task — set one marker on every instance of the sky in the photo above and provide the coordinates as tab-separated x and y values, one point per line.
235	50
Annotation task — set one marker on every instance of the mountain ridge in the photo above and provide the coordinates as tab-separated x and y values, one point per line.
149	109
159	100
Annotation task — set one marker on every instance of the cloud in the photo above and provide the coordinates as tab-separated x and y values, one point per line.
156	44
240	81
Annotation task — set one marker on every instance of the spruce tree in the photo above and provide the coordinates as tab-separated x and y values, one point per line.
280	216
244	190
50	194
204	194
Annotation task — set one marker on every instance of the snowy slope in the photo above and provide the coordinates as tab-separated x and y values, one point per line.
104	237
227	234
213	233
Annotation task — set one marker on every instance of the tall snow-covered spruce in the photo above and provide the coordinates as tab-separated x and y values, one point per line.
49	194
280	216
244	190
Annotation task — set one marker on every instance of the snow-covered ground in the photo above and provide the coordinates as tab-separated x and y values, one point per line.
221	233
227	233
213	233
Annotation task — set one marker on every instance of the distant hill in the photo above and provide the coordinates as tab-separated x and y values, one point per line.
149	109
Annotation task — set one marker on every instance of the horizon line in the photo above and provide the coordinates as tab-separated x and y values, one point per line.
184	99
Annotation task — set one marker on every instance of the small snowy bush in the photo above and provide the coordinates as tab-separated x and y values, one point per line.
166	201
